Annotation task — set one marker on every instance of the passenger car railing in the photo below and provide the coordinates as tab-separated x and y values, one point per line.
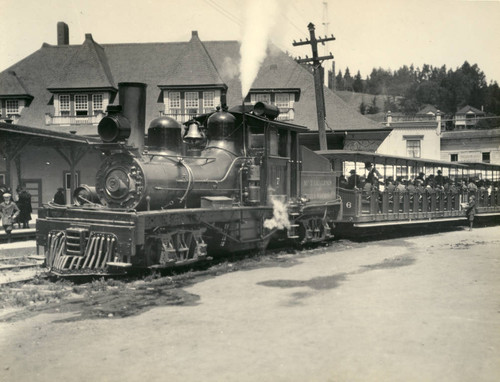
396	205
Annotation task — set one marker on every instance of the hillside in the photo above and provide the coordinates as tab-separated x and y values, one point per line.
354	100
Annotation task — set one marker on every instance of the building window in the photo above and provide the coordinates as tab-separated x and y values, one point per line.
174	100
453	157
208	102
192	100
413	148
260	97
81	104
97	103
64	106
2	178
283	101
486	157
12	106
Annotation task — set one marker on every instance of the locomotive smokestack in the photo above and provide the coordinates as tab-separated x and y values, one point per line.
133	101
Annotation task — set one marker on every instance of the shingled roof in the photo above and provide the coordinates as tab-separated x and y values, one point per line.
216	63
469	109
12	86
87	67
193	67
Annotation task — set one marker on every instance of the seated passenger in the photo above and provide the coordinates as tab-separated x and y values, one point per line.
411	187
471	186
419	184
439	178
400	187
453	187
389	185
342	181
354	180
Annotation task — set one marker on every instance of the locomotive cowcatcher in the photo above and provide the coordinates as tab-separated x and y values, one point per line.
222	182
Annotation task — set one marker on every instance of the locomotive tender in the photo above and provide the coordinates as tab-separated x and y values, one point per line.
223	182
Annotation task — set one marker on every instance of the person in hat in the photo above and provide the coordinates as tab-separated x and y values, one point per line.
373	173
8	213
59	197
439	179
24	204
471	210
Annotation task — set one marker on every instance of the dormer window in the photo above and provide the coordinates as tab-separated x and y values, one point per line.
78	108
192	103
281	98
64	106
12	107
208	102
81	104
259	97
97	104
184	105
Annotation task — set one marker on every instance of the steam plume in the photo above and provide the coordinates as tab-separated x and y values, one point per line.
260	17
280	216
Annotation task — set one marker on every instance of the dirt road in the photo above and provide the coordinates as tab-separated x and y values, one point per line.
425	308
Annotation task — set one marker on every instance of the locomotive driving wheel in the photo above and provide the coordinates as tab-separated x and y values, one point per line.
313	230
175	248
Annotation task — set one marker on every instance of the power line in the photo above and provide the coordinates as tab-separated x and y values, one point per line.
223	11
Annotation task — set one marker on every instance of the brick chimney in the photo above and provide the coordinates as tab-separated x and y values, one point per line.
62	33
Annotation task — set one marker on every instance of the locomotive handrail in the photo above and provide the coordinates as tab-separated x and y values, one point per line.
211	180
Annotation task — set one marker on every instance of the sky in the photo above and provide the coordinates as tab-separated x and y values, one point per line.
369	33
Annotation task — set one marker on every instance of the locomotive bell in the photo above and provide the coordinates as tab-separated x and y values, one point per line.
194	134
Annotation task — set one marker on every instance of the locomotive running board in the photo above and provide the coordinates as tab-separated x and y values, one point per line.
398	222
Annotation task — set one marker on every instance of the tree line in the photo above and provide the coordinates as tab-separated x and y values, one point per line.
408	89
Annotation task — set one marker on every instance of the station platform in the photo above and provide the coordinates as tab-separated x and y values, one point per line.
20	234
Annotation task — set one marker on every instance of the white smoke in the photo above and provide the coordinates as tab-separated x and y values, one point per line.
280	216
260	17
230	68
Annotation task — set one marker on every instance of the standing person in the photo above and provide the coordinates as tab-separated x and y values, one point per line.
24	204
59	197
8	213
471	210
373	173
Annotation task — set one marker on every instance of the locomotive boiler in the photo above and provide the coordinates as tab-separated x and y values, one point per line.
230	180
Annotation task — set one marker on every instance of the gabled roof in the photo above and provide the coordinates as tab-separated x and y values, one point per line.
11	86
86	67
193	67
470	110
427	110
150	63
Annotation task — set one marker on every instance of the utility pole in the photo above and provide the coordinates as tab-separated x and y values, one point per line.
318	79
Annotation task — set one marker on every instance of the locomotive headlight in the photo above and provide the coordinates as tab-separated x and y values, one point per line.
117	183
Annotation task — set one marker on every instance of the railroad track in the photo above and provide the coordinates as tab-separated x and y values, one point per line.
16	269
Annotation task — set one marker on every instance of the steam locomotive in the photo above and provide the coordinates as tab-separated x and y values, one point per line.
228	181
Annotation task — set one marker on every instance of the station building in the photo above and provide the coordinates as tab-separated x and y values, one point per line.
65	89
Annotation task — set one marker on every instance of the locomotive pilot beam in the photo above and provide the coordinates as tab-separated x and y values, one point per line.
223	182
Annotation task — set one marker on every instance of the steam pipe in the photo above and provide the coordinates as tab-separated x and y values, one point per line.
132	96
